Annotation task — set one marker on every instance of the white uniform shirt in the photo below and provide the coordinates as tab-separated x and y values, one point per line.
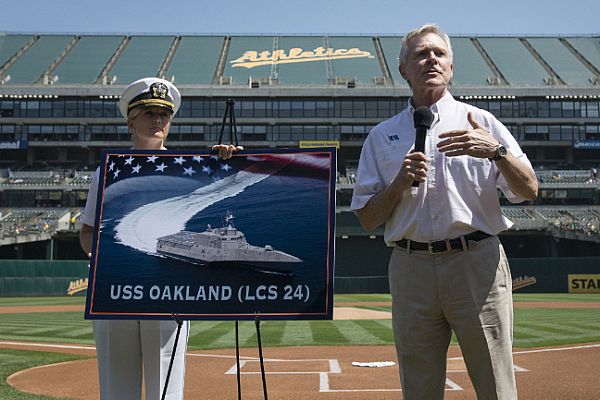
459	195
89	214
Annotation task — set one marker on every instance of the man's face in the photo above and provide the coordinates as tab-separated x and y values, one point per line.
428	65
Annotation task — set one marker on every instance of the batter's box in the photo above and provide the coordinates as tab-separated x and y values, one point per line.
288	367
363	386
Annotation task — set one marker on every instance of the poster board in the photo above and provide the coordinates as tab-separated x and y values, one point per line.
205	238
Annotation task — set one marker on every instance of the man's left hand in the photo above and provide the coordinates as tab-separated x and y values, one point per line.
476	142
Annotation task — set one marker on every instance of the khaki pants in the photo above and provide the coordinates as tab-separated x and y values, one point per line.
469	292
129	349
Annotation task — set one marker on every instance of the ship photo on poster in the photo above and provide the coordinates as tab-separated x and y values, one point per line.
224	245
207	238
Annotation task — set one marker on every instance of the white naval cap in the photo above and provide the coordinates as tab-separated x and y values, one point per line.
150	92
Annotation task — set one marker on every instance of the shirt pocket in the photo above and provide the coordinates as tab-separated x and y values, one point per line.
392	159
467	174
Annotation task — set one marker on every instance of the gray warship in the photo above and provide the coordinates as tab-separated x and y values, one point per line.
225	245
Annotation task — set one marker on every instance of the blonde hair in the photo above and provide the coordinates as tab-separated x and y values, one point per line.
134	113
427	28
137	110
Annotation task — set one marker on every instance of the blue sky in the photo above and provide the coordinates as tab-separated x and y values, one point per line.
512	17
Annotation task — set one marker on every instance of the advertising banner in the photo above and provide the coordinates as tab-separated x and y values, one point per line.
206	238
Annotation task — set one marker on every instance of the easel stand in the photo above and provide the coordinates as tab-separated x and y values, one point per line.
179	323
229	112
260	356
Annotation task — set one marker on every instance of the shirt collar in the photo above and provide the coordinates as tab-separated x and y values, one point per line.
437	108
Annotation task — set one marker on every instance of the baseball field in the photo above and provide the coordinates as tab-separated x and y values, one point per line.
46	352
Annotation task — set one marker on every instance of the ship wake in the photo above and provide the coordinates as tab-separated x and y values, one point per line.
141	228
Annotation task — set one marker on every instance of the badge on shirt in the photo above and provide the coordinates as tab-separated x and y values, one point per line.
393	138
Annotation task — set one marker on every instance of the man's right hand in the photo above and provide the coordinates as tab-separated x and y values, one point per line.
414	168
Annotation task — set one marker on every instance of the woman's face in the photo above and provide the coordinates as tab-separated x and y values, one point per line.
150	127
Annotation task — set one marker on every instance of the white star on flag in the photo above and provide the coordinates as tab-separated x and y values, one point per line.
216	158
199	159
129	160
160	167
225	167
111	166
189	171
206	169
116	173
136	169
179	160
151	159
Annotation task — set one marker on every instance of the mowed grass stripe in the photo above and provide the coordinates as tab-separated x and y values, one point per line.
524	332
584	326
356	333
556	341
382	332
296	333
270	333
86	332
553	329
221	335
533	327
198	328
45	327
328	333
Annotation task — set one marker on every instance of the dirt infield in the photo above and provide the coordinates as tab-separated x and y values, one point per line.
302	373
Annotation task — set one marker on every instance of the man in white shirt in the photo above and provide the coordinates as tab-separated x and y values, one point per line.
448	270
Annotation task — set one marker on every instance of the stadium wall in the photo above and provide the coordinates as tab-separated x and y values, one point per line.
530	275
369	275
42	277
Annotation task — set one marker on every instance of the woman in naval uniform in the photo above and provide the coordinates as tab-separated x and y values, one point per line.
128	349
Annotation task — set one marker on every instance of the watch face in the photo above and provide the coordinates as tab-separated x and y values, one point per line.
501	152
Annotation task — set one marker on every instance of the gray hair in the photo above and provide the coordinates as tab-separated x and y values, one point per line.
427	28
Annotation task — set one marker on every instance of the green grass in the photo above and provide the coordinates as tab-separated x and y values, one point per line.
533	327
12	361
42	301
341	298
557	297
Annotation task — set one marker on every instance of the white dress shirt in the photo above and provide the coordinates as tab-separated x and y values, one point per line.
89	214
459	195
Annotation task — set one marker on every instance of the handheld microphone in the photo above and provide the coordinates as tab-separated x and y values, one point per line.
423	118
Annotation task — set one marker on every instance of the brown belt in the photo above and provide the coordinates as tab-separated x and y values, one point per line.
442	246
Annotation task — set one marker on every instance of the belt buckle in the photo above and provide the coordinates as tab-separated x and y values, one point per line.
431	250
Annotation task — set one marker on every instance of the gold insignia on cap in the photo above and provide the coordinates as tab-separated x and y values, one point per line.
159	90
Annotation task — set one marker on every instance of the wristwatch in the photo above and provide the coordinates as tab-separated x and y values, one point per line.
500	153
